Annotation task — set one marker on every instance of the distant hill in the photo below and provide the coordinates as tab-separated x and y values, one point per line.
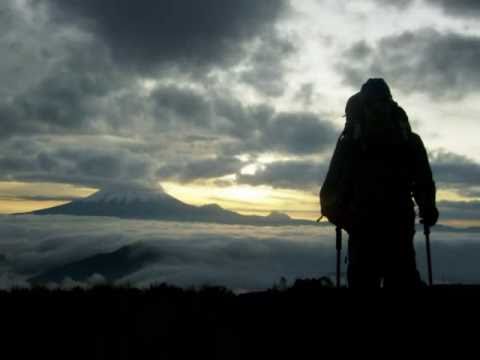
141	203
111	266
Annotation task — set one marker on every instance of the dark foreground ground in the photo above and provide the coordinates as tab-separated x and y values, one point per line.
307	321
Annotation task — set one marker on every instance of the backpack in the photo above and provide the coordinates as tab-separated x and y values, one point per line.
375	125
376	122
336	188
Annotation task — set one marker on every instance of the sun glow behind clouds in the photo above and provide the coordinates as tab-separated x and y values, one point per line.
17	197
449	195
200	194
246	199
18	205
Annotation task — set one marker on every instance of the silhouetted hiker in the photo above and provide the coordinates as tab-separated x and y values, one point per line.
379	166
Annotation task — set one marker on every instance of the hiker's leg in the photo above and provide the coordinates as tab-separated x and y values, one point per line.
400	267
363	270
360	277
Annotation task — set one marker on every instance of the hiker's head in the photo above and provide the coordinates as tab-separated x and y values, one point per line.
376	90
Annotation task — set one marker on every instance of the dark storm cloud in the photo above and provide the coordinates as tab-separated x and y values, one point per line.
71	99
101	166
295	133
55	80
267	66
359	50
305	94
7	13
451	172
210	114
442	65
190	34
466	8
288	174
82	92
201	169
459	210
298	133
176	105
190	126
239	121
455	171
253	129
22	47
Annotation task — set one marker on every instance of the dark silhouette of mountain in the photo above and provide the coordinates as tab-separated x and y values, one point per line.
112	266
140	203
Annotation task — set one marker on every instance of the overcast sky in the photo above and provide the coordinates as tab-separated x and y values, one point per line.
234	102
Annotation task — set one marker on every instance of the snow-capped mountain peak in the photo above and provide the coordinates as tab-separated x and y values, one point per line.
155	204
126	195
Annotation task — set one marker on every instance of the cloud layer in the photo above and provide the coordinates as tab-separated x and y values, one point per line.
240	257
456	172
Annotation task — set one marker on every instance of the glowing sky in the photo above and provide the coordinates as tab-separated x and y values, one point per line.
231	102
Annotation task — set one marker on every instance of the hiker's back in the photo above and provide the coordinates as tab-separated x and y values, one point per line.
381	141
382	181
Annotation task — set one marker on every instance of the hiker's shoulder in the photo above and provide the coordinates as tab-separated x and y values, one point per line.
417	146
354	102
415	138
399	109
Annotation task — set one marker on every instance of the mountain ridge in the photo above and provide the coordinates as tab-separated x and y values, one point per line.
156	204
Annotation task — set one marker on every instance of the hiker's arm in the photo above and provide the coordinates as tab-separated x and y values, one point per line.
424	190
336	170
335	191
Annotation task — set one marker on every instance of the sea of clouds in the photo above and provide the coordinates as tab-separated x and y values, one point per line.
194	254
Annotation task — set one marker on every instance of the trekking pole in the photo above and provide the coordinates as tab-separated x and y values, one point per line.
426	230
338	231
